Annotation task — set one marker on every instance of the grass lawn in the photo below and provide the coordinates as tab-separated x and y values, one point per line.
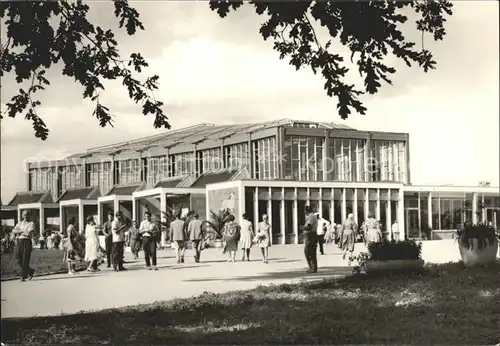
447	304
43	261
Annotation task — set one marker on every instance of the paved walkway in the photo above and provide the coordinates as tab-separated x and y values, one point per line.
56	294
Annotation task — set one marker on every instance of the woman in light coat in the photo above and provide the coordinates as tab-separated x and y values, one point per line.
92	245
246	237
263	237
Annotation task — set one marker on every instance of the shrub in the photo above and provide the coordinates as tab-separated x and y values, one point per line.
395	250
482	232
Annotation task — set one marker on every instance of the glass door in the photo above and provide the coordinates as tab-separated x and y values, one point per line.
412	224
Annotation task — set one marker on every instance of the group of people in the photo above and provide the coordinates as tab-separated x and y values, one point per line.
316	229
87	247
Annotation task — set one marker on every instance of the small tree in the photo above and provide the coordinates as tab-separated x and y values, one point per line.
217	221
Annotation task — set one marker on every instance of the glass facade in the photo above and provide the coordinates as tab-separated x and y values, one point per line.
303	158
212	160
157	170
180	165
265	159
333	204
348	157
439	211
387	161
100	174
71	177
129	171
42	179
236	156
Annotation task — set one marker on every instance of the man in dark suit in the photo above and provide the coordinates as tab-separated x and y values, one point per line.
310	239
106	230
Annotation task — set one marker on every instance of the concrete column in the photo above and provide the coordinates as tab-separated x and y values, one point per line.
256	206
332	205
207	205
308	191
134	210
388	214
270	213
343	206
241	202
42	219
401	211
355	206
282	217
483	210
295	217
429	210
474	207
61	218
116	205
366	203
163	206
377	206
81	216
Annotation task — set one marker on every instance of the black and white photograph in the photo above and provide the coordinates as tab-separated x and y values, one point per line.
250	172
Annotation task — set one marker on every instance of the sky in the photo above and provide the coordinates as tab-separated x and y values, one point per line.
221	71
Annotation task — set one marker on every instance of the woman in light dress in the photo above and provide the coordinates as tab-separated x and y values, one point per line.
348	232
92	245
263	237
371	229
231	236
246	237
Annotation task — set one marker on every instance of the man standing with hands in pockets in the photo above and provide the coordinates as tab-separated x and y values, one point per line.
310	239
118	228
147	229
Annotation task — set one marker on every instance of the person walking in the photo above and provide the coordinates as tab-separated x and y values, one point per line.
263	237
195	232
310	239
73	246
91	245
320	231
135	240
231	236
108	239
349	228
395	231
118	228
246	238
178	236
147	230
372	230
24	231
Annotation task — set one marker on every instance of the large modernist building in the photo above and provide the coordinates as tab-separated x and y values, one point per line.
276	168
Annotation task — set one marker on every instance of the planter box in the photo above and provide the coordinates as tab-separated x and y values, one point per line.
393	265
476	256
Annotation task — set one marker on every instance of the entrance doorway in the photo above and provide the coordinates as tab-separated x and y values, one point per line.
412	224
